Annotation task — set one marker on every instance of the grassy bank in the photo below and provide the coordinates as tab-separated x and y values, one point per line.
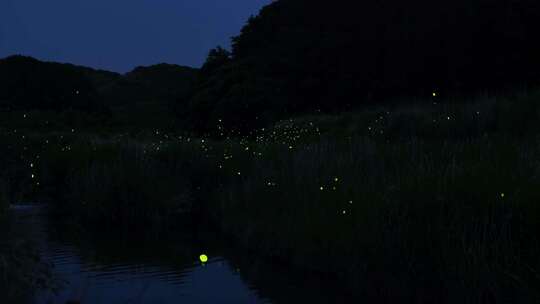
22	271
412	219
393	217
433	202
126	185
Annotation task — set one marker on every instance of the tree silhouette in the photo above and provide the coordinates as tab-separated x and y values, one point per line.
299	56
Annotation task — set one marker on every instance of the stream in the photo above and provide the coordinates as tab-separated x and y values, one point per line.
115	270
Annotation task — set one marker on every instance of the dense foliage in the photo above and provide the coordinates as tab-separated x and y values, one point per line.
431	201
414	200
65	94
161	82
299	55
26	83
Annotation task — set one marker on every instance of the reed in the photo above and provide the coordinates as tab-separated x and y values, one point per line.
431	202
463	214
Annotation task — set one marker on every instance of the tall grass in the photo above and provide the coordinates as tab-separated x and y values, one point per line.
430	202
414	219
394	217
121	185
414	203
457	119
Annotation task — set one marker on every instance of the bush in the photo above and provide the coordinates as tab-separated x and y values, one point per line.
123	186
450	216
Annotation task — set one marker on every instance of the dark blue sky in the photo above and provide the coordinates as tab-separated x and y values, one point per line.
118	35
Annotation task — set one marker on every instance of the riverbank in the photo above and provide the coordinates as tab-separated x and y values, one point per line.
22	269
403	216
442	210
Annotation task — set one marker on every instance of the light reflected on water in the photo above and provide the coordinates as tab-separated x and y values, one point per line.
117	271
215	282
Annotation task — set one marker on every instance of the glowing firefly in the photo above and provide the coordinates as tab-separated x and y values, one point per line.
203	258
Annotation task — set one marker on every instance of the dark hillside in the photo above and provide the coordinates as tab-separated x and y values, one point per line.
141	97
300	55
27	83
161	82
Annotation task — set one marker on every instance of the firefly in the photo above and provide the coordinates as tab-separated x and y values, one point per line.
203	258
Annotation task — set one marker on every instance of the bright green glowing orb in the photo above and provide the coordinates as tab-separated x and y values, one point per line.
203	258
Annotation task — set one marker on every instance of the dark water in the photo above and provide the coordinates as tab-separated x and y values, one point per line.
115	270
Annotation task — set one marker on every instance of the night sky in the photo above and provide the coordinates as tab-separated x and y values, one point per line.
121	34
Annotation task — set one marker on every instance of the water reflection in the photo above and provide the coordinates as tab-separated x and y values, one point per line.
116	270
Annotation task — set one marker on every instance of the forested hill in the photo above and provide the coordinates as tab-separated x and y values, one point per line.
30	84
300	56
27	83
157	83
311	55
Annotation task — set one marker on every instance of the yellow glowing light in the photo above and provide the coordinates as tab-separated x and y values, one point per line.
336	179
203	258
322	188
434	94
502	195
